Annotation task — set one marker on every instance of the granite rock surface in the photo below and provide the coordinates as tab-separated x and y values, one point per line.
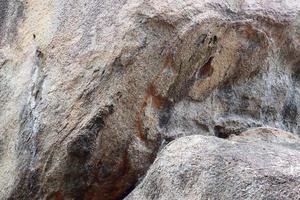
90	90
207	167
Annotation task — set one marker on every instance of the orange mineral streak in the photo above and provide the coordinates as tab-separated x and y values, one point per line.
249	31
57	196
157	100
113	188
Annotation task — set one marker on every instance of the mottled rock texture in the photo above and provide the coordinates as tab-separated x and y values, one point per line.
206	167
90	89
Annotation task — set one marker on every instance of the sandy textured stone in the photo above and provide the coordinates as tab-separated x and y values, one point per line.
90	89
266	134
206	167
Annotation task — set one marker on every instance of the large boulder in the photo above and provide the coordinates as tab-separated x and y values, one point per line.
89	89
260	164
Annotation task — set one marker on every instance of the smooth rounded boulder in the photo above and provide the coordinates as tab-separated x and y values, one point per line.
206	167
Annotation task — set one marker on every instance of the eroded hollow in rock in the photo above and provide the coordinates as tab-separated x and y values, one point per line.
206	70
220	132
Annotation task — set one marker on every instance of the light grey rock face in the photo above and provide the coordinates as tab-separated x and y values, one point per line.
251	77
206	167
11	12
89	89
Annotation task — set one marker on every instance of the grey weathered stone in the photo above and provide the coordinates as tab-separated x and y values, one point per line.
259	164
89	89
